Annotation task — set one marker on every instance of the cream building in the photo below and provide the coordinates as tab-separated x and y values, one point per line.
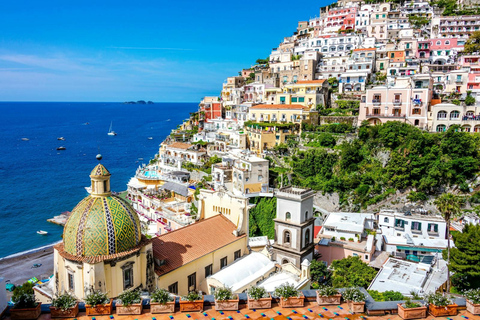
283	112
102	248
444	115
306	93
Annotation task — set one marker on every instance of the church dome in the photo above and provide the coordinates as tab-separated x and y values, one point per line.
101	224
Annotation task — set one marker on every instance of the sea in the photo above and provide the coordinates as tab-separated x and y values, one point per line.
38	182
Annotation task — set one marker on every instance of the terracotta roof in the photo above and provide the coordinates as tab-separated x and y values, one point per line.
311	81
187	244
95	259
180	145
278	106
364	49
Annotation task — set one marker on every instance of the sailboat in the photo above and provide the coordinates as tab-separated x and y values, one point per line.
110	131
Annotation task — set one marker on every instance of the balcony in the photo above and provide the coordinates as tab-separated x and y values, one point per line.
376	102
458	80
397	102
394	115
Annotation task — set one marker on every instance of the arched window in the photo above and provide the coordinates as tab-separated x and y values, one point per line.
285	261
286	237
307	236
385	219
441	128
306	215
447	42
454	114
288	216
442	115
438	43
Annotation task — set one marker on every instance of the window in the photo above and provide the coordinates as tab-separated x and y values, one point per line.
105	186
223	262
399	223
392	55
447	42
307	236
454	114
441	128
208	270
286	237
385	219
417	111
237	255
192	282
432	228
438	43
173	288
71	282
416	226
128	277
288	216
294	99
306	215
442	115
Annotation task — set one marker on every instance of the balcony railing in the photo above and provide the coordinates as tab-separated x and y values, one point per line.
376	102
397	102
373	115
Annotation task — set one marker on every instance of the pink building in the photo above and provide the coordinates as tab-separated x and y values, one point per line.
340	18
442	50
337	249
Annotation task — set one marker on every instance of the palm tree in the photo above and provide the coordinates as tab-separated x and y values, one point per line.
449	206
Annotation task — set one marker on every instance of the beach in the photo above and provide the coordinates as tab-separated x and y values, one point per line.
19	268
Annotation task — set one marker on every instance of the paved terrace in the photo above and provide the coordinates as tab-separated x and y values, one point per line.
310	311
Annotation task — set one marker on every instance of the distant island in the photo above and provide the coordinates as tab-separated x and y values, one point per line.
138	102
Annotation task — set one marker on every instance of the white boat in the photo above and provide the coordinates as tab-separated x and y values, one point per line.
110	131
25	139
61	138
150	138
42	232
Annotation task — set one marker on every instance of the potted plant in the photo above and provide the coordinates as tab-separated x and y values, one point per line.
193	301
24	304
355	299
412	310
258	298
473	300
289	296
328	295
440	305
225	299
97	303
129	302
64	306
161	301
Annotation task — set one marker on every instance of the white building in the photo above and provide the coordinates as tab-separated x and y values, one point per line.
398	224
348	225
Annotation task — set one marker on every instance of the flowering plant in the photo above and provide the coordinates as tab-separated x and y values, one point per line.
353	295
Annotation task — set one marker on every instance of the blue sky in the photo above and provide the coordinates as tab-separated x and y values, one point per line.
165	51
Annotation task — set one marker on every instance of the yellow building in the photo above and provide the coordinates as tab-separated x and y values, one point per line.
266	138
187	256
306	93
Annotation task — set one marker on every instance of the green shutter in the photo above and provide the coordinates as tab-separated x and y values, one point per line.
294	99
435	227
419	226
282	99
301	99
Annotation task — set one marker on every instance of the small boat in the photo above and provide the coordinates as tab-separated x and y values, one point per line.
110	131
61	148
150	138
168	120
42	232
25	139
140	159
61	138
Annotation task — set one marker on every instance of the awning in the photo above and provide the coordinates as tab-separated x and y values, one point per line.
176	187
419	249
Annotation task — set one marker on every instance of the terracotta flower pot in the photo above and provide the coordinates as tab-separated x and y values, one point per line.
27	313
227	305
412	313
323	301
135	308
450	310
99	310
356	307
293	301
168	307
67	313
262	303
187	306
473	308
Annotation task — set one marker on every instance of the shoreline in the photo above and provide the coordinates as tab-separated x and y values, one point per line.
28	252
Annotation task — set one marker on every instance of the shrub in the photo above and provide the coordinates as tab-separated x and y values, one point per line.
354	295
437	299
96	298
326	291
342	238
64	301
192	296
410	304
350	239
473	295
256	293
161	296
129	297
24	297
223	294
286	291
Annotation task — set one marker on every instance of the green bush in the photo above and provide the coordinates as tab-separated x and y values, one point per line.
223	294
96	298
354	295
257	293
24	296
161	296
286	291
129	297
326	291
192	296
64	301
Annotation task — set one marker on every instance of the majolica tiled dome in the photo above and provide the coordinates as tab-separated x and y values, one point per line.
101	225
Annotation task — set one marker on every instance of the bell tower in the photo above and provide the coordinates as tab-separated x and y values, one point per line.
294	226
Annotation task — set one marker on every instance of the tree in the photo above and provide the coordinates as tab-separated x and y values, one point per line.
261	217
351	272
469	100
473	43
318	271
465	258
449	206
